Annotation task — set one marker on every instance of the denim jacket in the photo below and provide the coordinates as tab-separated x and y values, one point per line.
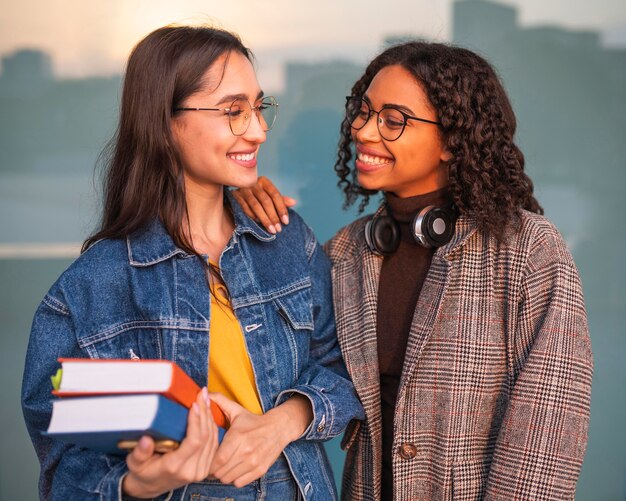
144	296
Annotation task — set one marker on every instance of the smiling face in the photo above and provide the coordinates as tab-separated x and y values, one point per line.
212	156
414	163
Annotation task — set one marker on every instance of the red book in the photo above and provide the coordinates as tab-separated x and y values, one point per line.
87	377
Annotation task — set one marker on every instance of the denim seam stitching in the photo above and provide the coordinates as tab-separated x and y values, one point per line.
263	298
56	305
118	329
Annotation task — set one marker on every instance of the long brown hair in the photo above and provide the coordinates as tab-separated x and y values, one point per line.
144	176
486	171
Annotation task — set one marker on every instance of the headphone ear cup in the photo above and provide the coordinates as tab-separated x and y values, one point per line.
434	226
382	235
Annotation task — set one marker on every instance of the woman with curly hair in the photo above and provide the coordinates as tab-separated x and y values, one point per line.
459	308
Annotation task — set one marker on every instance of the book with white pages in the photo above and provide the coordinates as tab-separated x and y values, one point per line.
110	423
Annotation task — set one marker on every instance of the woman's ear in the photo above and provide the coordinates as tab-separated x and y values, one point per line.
445	156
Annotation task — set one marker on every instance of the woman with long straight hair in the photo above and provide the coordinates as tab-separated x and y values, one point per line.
177	271
459	309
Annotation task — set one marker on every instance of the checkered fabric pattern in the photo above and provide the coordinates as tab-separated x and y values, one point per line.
495	393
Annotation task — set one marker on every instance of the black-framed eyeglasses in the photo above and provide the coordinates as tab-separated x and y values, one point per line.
391	121
240	114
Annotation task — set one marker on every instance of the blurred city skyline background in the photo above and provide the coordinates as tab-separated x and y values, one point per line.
563	64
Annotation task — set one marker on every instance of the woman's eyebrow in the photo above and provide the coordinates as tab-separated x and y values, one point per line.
400	107
229	98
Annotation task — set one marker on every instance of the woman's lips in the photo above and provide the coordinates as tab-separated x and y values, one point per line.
244	159
369	161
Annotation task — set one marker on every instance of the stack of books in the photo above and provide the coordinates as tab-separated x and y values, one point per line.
108	405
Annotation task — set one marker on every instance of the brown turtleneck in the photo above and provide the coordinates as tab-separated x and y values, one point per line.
399	286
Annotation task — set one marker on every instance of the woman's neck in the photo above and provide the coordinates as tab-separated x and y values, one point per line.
210	224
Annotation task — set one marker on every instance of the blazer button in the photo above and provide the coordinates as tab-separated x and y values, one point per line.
408	451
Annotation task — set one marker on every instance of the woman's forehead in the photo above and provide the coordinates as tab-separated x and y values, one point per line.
394	84
231	75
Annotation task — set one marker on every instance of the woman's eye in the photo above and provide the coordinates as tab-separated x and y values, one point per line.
235	113
393	122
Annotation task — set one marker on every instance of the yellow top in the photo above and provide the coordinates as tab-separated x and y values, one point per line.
230	370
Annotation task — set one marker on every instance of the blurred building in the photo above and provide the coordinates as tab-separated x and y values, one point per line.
25	73
50	125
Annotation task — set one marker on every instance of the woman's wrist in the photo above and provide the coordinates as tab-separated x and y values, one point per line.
132	488
293	417
129	488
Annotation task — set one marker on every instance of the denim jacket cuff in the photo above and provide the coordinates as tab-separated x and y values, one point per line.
126	497
111	484
321	427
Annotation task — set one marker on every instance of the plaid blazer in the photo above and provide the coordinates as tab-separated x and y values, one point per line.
494	397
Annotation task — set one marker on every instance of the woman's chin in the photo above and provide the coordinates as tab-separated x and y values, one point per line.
367	183
247	181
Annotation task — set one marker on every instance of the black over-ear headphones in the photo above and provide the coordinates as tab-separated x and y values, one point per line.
432	227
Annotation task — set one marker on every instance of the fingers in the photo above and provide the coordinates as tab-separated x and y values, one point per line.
197	431
253	208
248	477
265	204
289	202
228	456
230	409
248	449
239	196
191	461
207	453
243	464
210	448
151	474
191	441
140	454
277	201
235	472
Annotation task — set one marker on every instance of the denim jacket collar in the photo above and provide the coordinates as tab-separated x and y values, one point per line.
243	224
152	244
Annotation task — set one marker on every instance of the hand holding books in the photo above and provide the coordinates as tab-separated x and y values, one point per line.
151	474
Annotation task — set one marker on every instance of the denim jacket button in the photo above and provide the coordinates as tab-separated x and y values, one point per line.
320	428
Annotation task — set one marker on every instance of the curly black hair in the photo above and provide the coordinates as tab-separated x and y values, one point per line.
486	170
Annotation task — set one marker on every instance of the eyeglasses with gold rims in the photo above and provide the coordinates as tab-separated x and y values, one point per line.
391	121
240	114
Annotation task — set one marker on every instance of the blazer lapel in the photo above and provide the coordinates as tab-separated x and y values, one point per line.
355	291
431	299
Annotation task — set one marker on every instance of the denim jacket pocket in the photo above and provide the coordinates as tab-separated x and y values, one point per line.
128	340
297	308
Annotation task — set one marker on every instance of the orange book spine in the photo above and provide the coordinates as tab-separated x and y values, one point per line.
184	390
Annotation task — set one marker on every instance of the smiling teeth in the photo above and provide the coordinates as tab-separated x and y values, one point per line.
369	159
244	158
